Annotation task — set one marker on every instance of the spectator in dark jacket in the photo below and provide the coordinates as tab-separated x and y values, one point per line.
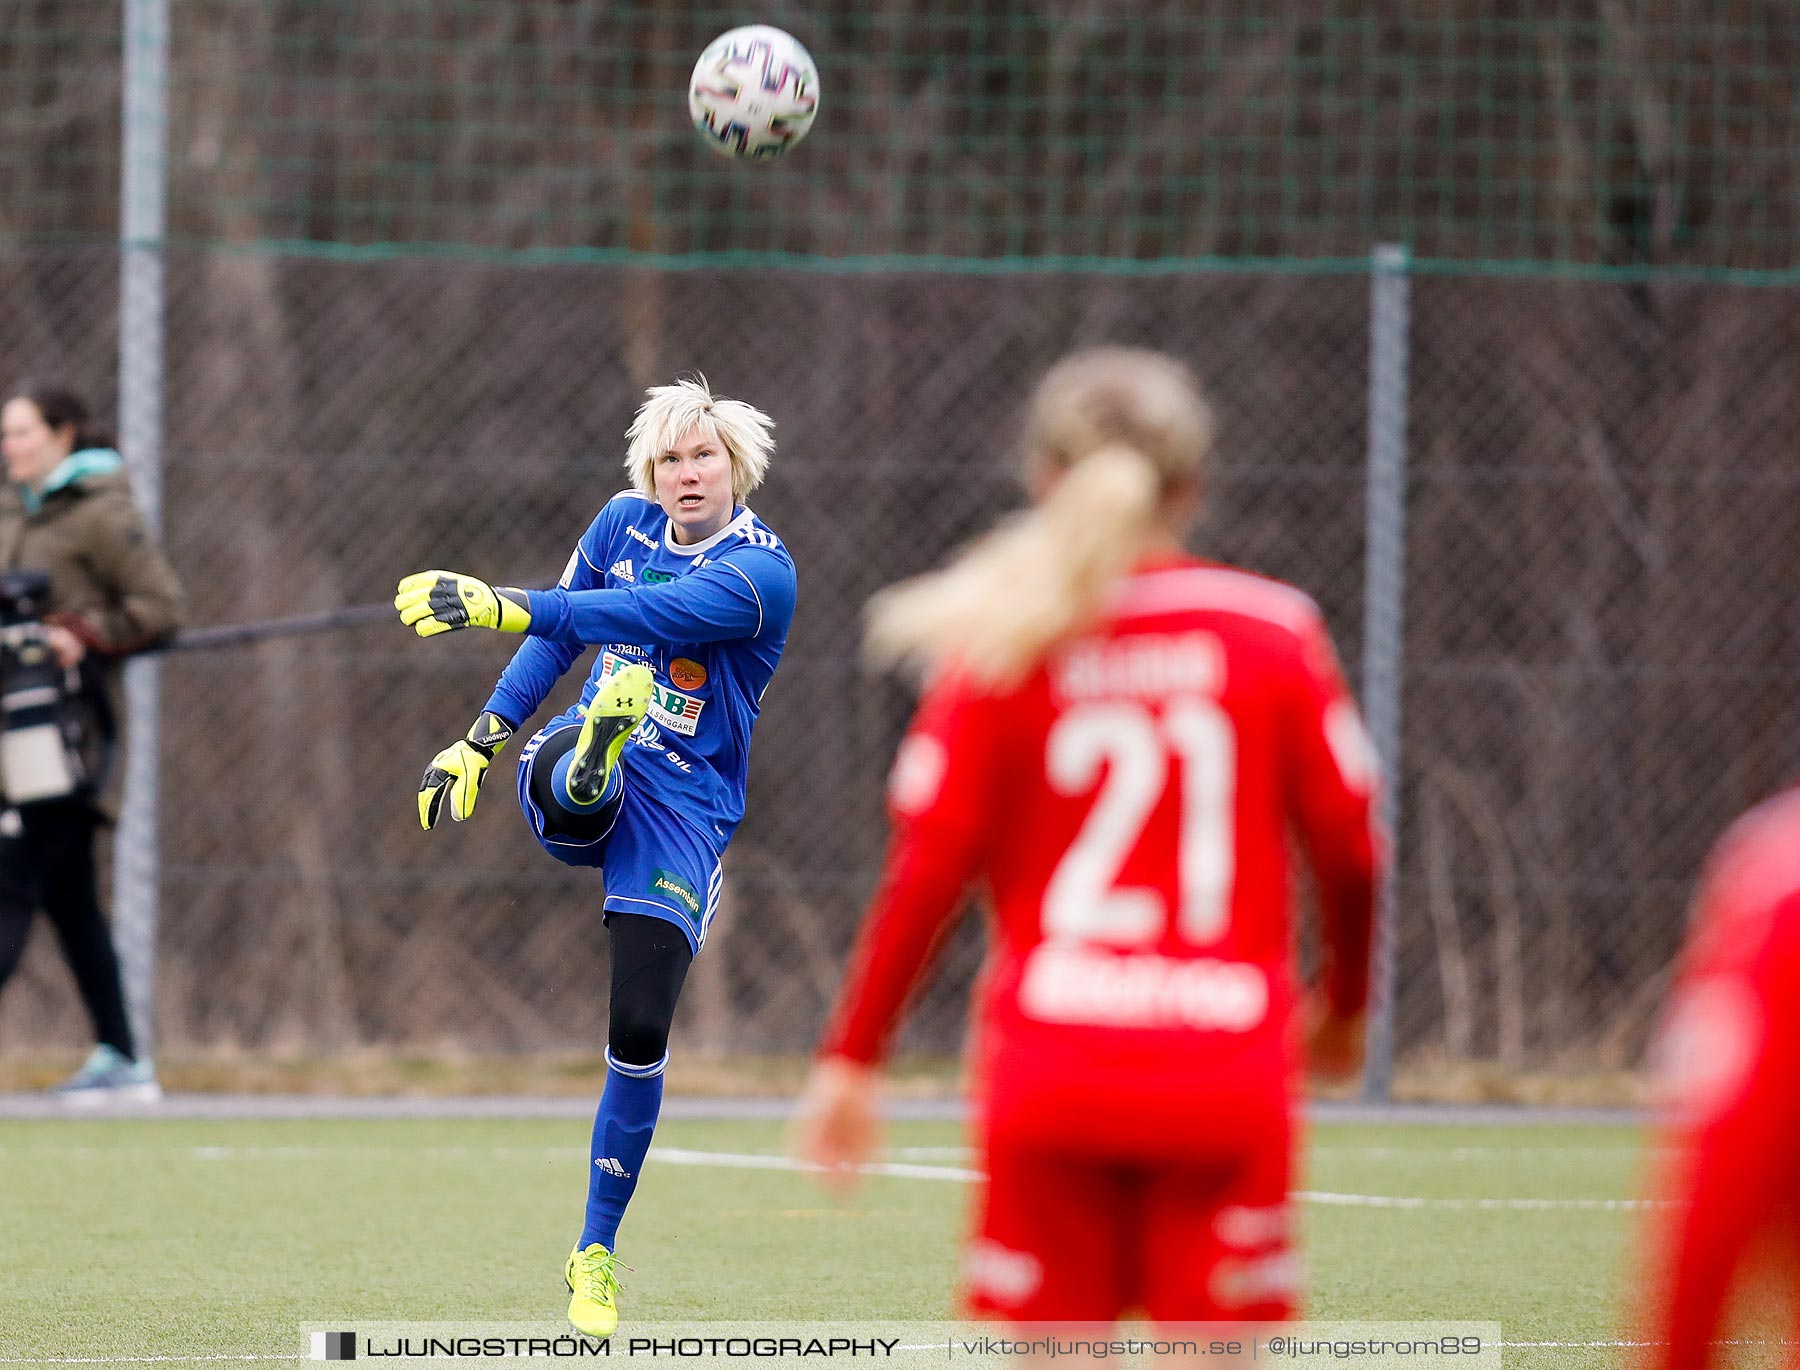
66	509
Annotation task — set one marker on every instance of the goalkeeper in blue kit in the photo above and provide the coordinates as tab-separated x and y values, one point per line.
689	596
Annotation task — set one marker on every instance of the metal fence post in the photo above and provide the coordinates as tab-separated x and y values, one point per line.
142	218
1384	586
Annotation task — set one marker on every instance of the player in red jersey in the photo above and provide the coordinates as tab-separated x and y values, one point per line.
1730	1054
1117	741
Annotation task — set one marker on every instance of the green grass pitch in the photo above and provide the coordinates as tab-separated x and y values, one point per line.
190	1239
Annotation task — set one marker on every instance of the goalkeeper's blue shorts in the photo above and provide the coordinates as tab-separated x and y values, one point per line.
653	861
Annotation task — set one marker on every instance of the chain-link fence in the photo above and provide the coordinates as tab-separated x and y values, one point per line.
1600	655
1600	132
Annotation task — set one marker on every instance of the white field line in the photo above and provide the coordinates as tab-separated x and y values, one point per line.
907	1153
735	1161
673	1156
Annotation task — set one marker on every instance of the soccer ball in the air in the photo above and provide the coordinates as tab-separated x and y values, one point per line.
754	92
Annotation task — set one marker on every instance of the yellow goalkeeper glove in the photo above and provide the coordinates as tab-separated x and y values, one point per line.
442	601
457	771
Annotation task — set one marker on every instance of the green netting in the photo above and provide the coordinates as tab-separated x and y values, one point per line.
1658	133
59	118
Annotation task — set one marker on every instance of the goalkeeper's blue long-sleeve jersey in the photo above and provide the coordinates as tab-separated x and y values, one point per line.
709	620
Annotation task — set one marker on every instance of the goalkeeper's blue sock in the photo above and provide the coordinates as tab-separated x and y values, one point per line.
559	786
623	1125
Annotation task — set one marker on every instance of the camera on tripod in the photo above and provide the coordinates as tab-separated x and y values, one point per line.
48	737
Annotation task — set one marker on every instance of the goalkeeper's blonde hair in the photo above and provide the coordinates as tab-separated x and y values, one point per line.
669	412
1119	429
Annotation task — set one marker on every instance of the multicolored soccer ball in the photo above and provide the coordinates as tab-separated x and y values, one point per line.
754	92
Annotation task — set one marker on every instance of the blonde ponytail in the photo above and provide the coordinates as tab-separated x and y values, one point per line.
1034	580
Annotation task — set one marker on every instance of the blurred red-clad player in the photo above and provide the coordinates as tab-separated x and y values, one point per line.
1731	1058
1116	743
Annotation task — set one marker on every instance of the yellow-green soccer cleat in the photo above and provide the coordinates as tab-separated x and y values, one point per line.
619	705
593	1291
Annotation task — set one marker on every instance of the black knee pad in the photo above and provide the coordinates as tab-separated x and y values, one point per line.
650	959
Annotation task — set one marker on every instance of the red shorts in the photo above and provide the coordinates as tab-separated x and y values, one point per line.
1059	1237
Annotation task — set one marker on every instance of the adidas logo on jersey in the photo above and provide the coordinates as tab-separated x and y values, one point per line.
623	570
613	1168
